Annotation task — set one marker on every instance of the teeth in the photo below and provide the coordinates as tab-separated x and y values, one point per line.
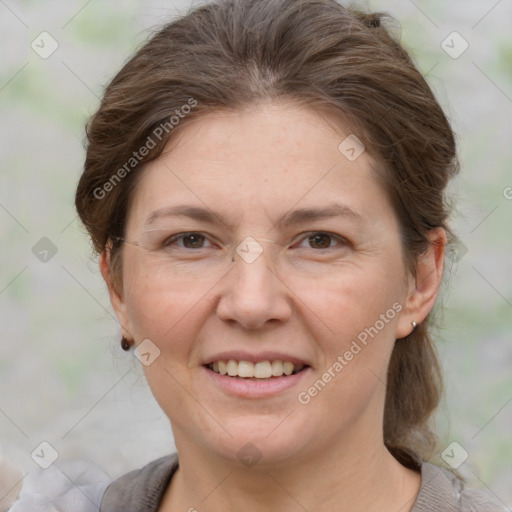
259	370
245	369
277	368
287	368
232	368
263	370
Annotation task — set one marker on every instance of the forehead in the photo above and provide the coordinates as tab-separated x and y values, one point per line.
261	161
264	131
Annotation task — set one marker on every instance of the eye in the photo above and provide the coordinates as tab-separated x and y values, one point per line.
190	240
323	240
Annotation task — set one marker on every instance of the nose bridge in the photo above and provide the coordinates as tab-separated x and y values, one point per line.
253	294
252	262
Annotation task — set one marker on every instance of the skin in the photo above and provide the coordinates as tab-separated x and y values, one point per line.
252	167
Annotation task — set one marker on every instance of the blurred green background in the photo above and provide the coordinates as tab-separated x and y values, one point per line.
63	376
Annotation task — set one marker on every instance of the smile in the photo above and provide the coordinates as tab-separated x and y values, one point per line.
259	370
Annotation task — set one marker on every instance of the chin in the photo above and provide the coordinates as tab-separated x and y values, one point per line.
264	443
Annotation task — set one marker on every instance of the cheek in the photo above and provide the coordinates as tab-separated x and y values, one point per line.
352	299
161	309
168	314
358	313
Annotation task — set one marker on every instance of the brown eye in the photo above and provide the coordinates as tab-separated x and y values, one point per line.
320	240
189	241
193	241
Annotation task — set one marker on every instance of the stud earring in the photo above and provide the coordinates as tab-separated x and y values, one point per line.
414	325
125	344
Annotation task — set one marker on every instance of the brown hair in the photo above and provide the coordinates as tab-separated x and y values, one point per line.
230	54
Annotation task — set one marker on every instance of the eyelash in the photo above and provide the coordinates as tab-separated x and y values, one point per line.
180	236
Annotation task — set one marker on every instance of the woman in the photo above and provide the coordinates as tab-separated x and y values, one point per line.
264	184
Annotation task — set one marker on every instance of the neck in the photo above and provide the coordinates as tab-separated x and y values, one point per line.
347	479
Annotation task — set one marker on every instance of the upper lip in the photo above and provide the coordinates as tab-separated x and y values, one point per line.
240	355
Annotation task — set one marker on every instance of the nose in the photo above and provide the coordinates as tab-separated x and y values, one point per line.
253	294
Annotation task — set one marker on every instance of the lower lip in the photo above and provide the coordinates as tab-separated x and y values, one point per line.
255	388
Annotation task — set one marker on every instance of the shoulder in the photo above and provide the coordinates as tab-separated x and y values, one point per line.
81	486
76	485
140	490
443	491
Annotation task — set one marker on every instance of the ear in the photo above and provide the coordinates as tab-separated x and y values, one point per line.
116	297
424	287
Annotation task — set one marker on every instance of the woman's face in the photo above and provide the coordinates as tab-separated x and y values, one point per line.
295	257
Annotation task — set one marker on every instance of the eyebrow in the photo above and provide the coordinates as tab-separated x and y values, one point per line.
192	212
290	218
312	214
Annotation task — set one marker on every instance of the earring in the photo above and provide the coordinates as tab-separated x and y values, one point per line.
125	344
414	325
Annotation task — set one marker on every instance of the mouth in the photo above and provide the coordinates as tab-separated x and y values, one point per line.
260	370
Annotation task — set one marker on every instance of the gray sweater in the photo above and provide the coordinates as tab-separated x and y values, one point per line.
440	491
